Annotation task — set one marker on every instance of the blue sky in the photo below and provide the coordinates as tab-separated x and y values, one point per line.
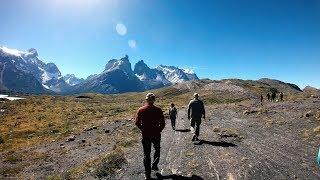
246	39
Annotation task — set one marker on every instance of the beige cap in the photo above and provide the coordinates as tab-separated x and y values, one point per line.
150	96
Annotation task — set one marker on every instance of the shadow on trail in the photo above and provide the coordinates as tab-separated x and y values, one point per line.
178	177
214	143
183	130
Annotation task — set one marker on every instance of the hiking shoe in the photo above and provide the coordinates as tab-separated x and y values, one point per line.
155	168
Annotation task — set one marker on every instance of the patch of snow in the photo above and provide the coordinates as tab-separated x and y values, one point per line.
10	98
175	78
166	69
115	65
46	76
188	71
45	86
68	81
162	79
141	77
14	52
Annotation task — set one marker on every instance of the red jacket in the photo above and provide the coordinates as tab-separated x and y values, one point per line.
150	121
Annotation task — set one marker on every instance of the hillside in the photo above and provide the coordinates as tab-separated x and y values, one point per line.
92	135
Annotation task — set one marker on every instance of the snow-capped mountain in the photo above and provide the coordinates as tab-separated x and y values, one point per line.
13	79
119	64
23	71
72	80
28	62
191	74
117	77
152	78
177	75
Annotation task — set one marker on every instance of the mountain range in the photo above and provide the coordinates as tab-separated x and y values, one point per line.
24	71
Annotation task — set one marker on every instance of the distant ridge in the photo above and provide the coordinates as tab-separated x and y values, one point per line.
25	72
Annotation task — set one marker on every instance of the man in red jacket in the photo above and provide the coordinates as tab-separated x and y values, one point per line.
150	121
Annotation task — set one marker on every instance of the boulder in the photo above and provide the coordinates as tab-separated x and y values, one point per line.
71	138
308	114
247	112
87	129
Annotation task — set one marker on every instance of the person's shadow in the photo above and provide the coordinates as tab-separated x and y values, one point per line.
216	143
178	177
183	130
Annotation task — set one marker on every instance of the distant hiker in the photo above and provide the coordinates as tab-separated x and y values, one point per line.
173	116
273	96
261	99
281	96
150	121
268	96
195	112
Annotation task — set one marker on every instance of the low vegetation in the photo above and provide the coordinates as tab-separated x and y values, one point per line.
104	166
45	118
39	120
228	133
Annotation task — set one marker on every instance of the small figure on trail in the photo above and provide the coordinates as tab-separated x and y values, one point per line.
261	99
273	96
268	96
173	116
150	120
281	96
195	112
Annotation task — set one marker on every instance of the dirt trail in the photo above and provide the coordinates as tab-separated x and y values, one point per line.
261	152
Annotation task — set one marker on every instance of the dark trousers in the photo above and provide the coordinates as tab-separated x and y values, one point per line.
173	122
195	123
147	143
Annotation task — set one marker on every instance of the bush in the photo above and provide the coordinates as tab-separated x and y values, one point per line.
317	130
110	163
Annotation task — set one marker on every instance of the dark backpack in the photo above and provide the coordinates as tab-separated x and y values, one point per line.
173	112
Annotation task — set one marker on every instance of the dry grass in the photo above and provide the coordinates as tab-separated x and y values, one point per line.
38	119
104	166
189	154
228	133
54	177
317	130
193	164
305	134
44	118
10	171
